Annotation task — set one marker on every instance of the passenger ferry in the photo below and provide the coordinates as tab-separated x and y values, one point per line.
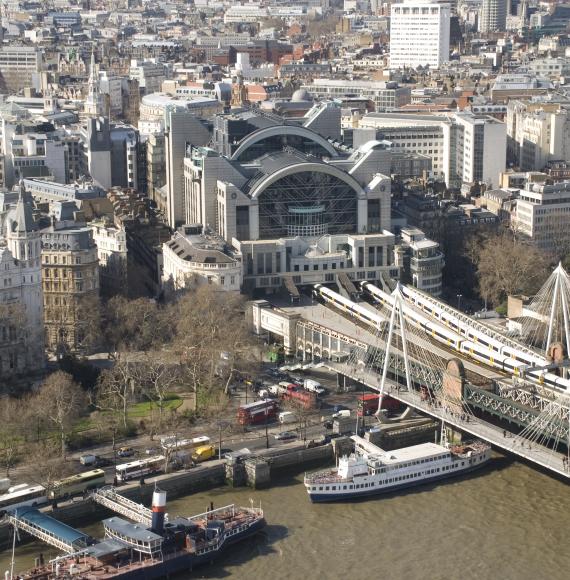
371	470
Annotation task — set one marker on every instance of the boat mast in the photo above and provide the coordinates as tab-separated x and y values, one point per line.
13	560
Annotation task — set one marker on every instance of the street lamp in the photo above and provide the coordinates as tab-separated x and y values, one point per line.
459	296
266	426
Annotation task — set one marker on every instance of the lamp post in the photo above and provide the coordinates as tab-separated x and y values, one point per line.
266	427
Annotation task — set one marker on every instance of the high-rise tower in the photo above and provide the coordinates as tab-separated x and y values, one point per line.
493	16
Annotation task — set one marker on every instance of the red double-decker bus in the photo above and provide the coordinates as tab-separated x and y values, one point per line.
258	413
368	404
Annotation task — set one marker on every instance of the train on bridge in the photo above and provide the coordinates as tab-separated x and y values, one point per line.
452	331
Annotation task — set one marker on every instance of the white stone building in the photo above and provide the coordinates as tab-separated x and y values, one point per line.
190	259
463	147
542	214
419	34
21	297
386	96
111	242
423	261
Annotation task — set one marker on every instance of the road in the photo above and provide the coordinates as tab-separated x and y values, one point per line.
254	438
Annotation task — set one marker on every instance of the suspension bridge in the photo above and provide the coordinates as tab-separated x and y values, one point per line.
522	406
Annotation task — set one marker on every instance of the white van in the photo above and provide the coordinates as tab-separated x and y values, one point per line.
287	417
314	387
88	459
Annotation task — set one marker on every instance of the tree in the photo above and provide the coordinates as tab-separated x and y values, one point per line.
50	465
158	377
73	323
506	266
60	400
212	337
116	389
135	325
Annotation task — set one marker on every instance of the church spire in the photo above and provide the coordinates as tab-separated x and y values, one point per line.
23	218
93	102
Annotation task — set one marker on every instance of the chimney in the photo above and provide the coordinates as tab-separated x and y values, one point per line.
158	509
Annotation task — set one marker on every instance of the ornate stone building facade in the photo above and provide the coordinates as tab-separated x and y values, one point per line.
70	268
21	302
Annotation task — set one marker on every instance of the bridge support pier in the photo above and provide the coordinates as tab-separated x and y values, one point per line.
340	383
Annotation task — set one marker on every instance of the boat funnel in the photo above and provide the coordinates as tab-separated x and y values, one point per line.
158	511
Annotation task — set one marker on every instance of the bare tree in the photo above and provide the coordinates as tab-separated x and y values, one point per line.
136	325
116	389
158	377
61	401
213	336
8	451
73	323
506	266
50	465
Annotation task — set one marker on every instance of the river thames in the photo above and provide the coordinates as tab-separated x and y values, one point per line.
505	522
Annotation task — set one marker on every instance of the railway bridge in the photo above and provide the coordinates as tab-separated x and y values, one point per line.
524	418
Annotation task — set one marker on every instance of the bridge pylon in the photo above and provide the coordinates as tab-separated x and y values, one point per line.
396	319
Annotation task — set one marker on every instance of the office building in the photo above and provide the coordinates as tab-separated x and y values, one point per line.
493	16
386	96
419	34
19	68
542	214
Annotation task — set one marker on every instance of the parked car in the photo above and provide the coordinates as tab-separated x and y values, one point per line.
343	413
126	452
153	451
338	408
285	436
237	456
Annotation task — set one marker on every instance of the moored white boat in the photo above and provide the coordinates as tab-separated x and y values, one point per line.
370	470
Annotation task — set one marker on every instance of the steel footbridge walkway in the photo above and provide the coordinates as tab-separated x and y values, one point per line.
109	498
533	452
48	529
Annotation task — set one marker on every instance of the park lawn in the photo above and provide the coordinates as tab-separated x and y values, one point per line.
141	410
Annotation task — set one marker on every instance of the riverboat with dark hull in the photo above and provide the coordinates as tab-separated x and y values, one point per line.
371	471
132	551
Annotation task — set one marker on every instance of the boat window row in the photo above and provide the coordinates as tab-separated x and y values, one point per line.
387	481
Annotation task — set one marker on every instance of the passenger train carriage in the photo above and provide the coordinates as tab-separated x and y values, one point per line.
451	331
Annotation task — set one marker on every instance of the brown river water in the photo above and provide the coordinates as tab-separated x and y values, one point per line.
505	522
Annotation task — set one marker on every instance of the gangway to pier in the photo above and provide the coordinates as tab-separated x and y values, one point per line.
108	497
48	529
